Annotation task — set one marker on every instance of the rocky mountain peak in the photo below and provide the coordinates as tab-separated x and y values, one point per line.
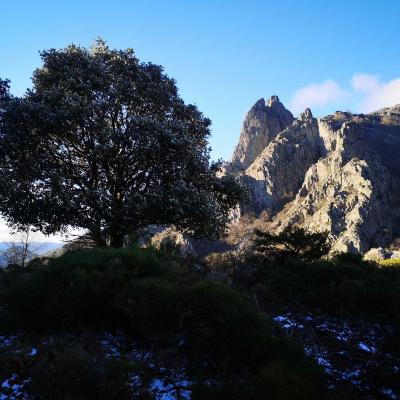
272	100
274	104
306	115
261	124
259	104
338	174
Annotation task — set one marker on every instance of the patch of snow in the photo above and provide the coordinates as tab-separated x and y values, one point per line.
6	341
325	363
350	374
33	352
328	327
110	344
342	336
168	392
279	318
308	350
13	391
6	384
365	347
286	323
390	393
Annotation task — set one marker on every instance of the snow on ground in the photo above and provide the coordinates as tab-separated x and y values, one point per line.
164	387
7	341
352	353
12	388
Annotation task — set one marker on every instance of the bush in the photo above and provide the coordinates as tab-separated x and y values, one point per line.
345	285
291	243
79	371
392	262
209	330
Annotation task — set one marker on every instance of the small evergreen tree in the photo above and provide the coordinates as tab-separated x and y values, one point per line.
292	242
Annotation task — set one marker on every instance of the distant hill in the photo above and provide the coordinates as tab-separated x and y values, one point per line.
40	248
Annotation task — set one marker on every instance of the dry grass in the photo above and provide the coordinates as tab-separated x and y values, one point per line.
246	226
391	262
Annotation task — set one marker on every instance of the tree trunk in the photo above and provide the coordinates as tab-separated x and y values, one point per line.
117	240
98	238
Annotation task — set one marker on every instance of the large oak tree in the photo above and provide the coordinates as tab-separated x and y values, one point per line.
104	142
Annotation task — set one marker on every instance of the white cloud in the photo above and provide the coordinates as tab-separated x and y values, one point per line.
317	95
376	94
366	93
365	83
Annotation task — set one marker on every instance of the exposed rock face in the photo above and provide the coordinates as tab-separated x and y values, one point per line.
338	174
261	124
347	193
271	179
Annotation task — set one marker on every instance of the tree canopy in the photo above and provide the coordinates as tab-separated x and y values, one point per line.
104	142
292	243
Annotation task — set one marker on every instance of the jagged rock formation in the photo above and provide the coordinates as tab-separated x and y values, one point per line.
338	174
346	193
261	124
271	178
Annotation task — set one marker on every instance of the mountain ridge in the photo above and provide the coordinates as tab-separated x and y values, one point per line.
339	173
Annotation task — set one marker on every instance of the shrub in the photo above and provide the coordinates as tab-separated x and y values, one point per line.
170	247
206	328
291	243
74	369
392	262
342	286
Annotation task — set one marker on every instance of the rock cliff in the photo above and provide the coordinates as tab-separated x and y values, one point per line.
261	124
338	174
271	179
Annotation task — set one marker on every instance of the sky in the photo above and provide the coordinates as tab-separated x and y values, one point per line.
226	54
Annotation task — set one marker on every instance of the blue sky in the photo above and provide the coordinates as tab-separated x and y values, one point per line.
223	54
227	54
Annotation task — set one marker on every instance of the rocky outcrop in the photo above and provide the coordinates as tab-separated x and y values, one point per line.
347	193
338	174
261	124
378	254
278	172
171	239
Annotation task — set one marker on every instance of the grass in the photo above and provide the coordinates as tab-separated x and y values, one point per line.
391	262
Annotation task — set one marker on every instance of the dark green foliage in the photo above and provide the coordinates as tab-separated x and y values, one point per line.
70	366
291	243
350	258
213	334
343	286
104	142
4	89
170	247
75	369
